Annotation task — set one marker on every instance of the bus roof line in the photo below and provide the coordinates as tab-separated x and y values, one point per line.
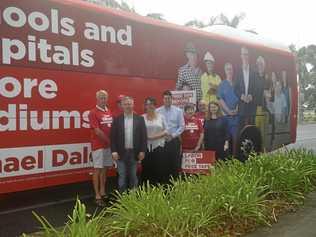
169	25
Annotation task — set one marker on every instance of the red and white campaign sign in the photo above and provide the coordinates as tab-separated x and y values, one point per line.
181	98
197	162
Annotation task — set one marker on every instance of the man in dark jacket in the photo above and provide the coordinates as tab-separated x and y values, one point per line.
128	144
245	88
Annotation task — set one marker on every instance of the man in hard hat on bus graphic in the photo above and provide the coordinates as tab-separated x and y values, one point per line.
190	74
209	80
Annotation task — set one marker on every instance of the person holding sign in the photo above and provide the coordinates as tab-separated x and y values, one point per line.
192	137
202	111
215	135
175	126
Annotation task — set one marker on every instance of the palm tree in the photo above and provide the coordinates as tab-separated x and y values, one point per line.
234	22
219	20
125	7
113	4
212	21
106	3
157	16
196	23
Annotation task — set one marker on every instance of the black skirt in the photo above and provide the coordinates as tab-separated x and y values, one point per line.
155	167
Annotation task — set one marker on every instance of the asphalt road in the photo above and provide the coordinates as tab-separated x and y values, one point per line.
53	203
297	224
302	222
56	203
306	137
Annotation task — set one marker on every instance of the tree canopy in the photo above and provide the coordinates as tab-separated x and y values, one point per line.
306	69
221	19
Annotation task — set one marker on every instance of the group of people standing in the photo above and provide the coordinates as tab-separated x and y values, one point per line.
159	136
247	97
127	139
155	139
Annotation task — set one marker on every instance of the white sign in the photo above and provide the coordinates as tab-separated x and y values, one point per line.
195	161
181	98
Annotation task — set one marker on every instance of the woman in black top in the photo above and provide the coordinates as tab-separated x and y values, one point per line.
215	135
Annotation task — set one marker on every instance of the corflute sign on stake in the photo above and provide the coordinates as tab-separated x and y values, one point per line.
197	162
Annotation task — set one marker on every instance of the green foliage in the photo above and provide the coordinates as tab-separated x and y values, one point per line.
220	19
80	224
233	199
234	22
122	5
310	116
157	16
306	69
237	196
196	23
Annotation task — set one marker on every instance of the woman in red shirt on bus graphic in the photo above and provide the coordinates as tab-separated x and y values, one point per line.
193	135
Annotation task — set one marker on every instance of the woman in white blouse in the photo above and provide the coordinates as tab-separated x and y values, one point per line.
155	165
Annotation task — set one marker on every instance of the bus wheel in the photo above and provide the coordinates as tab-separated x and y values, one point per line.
249	142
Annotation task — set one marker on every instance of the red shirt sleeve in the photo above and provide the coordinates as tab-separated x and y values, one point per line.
93	120
200	126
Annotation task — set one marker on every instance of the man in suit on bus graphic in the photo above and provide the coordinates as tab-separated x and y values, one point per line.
245	88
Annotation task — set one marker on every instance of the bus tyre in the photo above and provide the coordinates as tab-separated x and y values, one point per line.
249	142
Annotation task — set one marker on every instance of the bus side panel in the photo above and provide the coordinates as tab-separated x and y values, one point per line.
45	135
44	105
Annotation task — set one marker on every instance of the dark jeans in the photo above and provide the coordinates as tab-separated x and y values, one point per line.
127	171
172	149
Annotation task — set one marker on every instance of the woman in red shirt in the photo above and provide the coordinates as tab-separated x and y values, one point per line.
193	135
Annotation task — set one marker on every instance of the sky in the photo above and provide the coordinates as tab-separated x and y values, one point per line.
284	21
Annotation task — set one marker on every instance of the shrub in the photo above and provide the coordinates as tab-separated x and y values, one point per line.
80	224
235	198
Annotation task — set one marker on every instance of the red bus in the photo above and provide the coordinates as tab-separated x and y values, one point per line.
56	54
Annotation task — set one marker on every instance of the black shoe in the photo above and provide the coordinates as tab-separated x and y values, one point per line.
99	202
105	198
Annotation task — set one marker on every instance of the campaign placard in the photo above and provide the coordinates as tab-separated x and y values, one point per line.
197	162
181	98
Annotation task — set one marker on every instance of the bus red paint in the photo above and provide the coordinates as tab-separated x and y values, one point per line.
54	56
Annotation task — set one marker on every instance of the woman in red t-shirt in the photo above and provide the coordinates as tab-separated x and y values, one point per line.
193	135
